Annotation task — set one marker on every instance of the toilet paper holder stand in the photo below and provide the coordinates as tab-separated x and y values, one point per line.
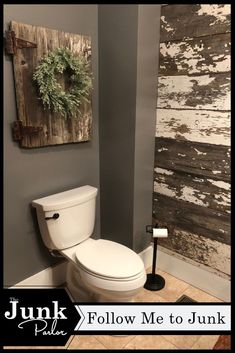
154	281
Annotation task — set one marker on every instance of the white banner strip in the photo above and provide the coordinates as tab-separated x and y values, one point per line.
153	317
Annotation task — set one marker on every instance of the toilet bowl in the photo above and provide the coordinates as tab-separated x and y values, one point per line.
102	270
98	270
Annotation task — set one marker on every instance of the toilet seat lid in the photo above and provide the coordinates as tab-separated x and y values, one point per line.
109	259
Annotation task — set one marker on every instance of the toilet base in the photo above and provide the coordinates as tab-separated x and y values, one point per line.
84	295
154	282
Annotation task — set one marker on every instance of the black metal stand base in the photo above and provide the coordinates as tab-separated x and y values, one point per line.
154	282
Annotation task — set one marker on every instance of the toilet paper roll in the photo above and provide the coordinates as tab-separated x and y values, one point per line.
160	232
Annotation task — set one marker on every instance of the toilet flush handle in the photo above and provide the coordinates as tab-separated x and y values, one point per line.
55	216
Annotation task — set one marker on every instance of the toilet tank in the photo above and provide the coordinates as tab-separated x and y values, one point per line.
75	212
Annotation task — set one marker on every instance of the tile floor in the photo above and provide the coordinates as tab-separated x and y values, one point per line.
173	289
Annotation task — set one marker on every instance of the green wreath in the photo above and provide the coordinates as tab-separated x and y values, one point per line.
50	91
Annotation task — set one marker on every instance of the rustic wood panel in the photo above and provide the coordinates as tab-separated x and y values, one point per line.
198	92
189	217
195	20
200	249
56	129
194	125
196	56
201	191
192	145
198	159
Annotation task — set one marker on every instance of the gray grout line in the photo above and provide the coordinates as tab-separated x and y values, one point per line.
181	347
132	339
69	340
96	337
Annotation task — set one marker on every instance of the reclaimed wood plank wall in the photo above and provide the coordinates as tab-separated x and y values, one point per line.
192	151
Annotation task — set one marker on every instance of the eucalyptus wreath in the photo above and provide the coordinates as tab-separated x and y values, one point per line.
51	93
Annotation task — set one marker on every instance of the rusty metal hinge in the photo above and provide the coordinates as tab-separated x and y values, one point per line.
12	43
19	130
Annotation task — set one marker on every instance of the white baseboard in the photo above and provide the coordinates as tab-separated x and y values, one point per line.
50	277
147	256
198	277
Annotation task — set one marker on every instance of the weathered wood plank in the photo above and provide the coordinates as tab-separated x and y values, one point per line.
198	92
192	149
201	191
196	56
189	217
194	125
56	129
195	20
197	159
200	249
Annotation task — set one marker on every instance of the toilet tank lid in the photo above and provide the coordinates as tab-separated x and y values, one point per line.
66	198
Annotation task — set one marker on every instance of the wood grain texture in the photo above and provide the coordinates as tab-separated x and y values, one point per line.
210	92
200	249
201	191
194	125
195	20
203	55
56	129
189	217
197	159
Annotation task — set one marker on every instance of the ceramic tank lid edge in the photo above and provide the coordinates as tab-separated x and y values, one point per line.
66	198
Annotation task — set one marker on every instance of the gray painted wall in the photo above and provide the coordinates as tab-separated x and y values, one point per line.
29	174
128	62
118	28
146	83
128	57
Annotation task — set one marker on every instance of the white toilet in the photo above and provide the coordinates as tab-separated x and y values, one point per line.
98	270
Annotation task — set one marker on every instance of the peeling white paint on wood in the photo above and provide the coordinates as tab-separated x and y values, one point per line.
213	162
192	165
220	184
201	249
162	149
167	26
163	171
204	192
199	152
204	221
188	194
164	190
200	126
220	12
198	92
196	56
194	20
223	199
200	265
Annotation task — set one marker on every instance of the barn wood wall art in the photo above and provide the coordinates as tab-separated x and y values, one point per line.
53	85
